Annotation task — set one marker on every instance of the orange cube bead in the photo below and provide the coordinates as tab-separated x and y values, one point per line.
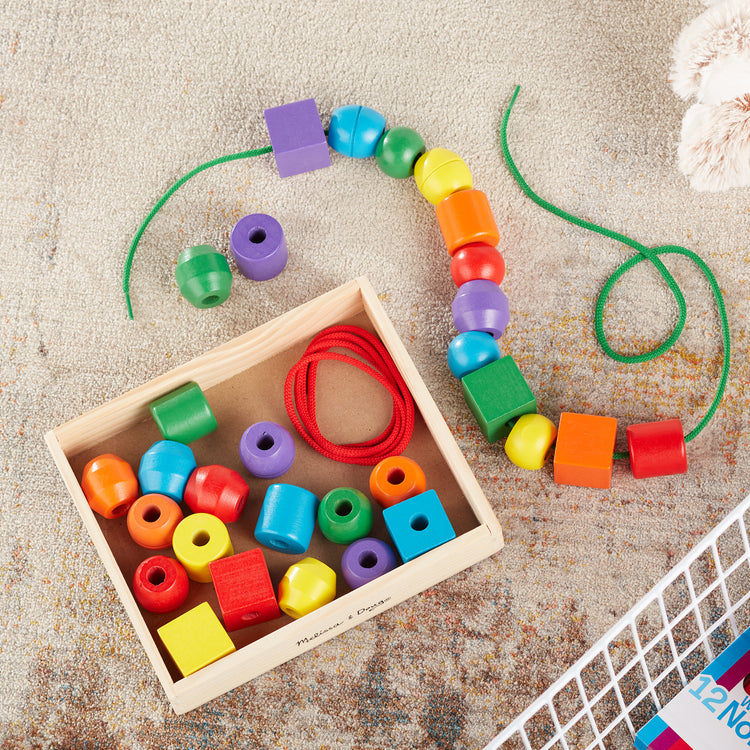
583	454
466	217
110	485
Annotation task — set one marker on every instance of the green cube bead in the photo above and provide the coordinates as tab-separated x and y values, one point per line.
497	394
183	415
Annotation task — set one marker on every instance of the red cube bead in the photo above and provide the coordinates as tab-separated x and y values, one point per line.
657	449
217	490
244	589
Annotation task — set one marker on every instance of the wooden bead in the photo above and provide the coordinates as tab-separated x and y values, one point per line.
165	469
418	524
217	490
439	172
396	478
530	440
244	589
198	540
259	247
584	450
477	260
196	639
471	350
267	450
152	520
183	414
306	586
287	518
480	305
465	217
110	485
160	584
344	515
496	394
355	131
657	449
203	276
365	560
398	150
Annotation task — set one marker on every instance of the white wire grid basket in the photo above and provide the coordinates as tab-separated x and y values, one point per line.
668	638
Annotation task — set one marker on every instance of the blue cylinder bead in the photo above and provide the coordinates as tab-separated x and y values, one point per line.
165	469
287	518
355	131
471	350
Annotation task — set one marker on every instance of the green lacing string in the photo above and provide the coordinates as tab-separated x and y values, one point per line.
155	210
644	253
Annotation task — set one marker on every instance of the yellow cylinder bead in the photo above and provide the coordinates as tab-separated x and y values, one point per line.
530	441
307	585
198	540
440	173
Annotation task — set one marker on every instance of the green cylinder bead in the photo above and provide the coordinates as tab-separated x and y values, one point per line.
183	415
345	515
398	150
204	276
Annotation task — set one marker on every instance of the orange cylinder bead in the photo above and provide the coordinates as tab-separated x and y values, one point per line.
110	485
152	520
396	478
466	217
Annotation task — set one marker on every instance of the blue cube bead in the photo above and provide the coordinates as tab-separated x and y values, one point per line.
418	525
287	518
471	350
355	131
165	469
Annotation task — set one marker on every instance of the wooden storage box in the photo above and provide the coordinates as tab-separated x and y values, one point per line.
243	382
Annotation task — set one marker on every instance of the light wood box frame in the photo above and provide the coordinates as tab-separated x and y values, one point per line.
293	329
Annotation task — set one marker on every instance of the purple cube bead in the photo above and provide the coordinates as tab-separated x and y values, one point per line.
267	450
297	137
259	247
365	560
480	305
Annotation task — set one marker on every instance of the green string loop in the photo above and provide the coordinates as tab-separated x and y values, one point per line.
644	253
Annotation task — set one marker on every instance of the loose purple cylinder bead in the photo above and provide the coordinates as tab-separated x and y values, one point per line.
365	560
259	247
267	450
480	305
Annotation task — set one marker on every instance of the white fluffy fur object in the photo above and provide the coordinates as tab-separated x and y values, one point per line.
712	66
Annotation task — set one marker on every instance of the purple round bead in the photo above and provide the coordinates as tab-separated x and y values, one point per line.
480	305
365	560
259	247
267	450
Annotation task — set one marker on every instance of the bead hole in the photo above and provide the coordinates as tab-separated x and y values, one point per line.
120	510
265	442
257	235
212	299
396	476
344	508
151	514
419	522
201	538
368	560
156	576
249	616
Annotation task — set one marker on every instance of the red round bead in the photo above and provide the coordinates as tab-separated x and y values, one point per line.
160	584
477	260
217	490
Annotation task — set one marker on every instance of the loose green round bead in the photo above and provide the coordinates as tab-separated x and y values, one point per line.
345	515
204	276
397	151
183	415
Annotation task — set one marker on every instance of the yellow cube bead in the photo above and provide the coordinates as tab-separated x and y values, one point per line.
440	173
195	639
198	540
529	442
307	585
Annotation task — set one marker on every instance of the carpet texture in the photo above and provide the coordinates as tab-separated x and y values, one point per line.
103	107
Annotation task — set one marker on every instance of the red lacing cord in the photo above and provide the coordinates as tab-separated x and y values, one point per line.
299	395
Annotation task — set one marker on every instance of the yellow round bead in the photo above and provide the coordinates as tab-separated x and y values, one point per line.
307	585
440	173
529	442
198	540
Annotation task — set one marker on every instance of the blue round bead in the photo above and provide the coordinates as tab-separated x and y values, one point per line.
287	518
471	350
165	469
355	131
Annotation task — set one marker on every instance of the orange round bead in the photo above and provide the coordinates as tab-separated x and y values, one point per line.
110	485
396	478
152	520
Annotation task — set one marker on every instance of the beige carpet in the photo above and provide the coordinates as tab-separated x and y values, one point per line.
103	106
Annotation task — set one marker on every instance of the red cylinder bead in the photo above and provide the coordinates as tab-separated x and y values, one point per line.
656	449
217	490
160	584
477	260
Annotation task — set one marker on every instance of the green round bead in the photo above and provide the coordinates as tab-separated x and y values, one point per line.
183	415
398	150
345	515
204	276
